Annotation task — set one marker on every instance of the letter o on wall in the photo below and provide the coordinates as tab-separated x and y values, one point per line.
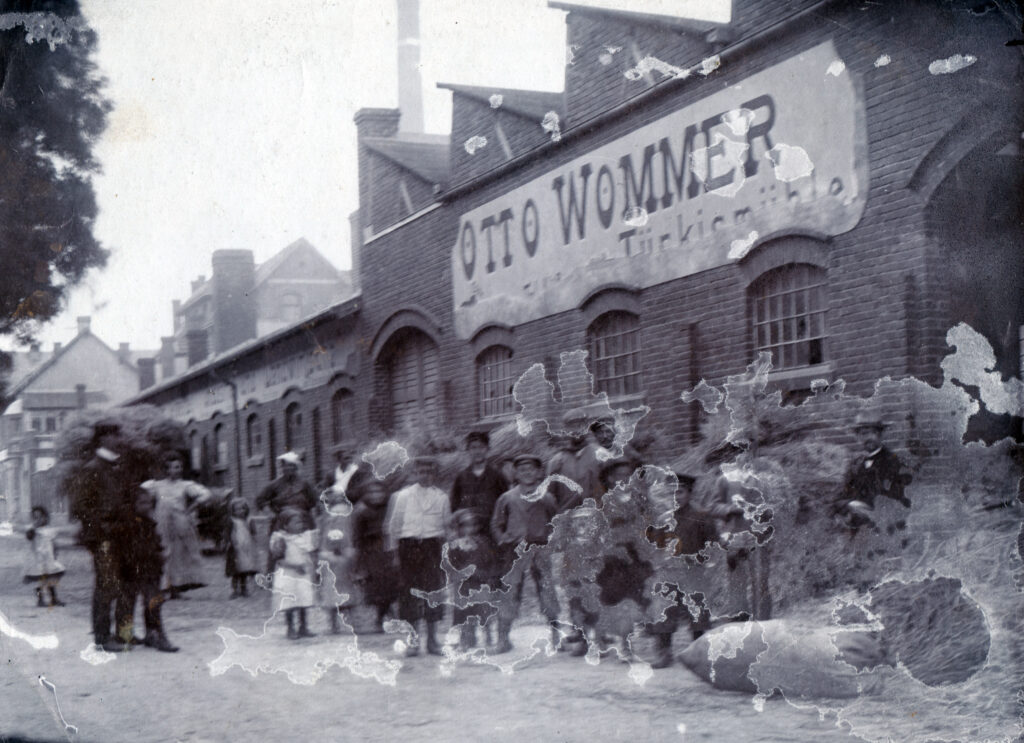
468	240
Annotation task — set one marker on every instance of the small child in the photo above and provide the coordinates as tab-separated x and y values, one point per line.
341	595
142	570
375	566
43	567
473	548
293	544
242	558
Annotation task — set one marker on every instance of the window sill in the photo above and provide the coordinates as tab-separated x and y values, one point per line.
254	461
789	380
626	402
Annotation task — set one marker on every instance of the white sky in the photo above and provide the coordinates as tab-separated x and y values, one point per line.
233	128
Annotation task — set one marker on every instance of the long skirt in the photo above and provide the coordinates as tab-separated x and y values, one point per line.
183	568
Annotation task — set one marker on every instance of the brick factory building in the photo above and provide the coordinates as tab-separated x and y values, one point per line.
834	183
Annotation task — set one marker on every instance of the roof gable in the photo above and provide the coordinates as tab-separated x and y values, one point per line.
424	155
301	248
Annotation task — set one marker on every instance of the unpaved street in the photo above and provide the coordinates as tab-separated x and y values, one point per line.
149	696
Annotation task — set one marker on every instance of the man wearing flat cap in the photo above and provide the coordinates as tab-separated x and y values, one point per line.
876	472
478	487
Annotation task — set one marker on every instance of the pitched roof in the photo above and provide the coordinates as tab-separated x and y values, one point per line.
530	104
25	381
266	269
677	22
426	155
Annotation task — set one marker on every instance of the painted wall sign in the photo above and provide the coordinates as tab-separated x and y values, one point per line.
269	381
782	150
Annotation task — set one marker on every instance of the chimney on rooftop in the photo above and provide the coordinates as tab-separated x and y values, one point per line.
234	300
83	323
147	373
57	345
197	284
410	88
166	357
176	311
124	354
33	353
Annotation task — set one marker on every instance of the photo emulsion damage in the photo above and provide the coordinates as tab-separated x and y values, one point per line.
538	370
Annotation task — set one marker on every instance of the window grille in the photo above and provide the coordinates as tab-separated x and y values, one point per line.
615	360
788	309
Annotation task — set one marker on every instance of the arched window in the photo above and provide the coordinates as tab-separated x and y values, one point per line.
272	448
292	426
494	382
614	343
253	437
342	412
220	446
291	307
788	315
413	383
318	449
194	451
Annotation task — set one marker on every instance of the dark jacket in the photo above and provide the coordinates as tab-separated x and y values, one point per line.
281	494
101	503
143	552
478	494
878	474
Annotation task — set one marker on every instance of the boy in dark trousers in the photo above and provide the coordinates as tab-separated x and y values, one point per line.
473	548
375	567
519	520
143	566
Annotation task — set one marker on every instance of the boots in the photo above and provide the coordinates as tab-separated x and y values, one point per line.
663	651
54	601
289	616
39	597
303	629
335	619
504	644
158	640
432	645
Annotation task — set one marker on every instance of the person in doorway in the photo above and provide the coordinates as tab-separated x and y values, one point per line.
417	526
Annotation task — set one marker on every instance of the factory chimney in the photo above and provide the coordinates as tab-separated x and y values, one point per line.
410	88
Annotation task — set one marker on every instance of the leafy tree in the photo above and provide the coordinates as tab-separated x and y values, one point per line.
52	110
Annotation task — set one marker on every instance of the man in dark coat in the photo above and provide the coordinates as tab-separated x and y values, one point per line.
877	472
348	476
478	487
289	490
102	505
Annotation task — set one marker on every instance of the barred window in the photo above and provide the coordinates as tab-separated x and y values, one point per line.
494	382
788	312
614	343
220	445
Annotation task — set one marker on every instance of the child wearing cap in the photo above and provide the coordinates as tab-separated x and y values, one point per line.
473	548
416	526
520	517
375	565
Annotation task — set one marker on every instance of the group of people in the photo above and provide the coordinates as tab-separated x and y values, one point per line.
142	536
591	527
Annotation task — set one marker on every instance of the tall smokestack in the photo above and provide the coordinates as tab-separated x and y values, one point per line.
410	89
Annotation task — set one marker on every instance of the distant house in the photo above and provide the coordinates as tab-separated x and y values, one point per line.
241	301
43	392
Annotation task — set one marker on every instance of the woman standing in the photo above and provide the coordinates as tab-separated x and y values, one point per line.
177	500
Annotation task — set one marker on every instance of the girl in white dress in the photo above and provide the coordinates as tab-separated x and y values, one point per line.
43	568
293	543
